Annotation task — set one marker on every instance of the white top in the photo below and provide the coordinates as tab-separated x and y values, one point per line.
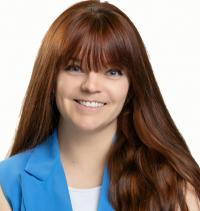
84	199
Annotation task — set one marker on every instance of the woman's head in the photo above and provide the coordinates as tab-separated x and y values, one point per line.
98	36
94	62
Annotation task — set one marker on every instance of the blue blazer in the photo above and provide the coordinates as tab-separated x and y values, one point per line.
34	180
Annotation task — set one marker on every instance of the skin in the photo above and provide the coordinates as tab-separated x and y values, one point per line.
85	136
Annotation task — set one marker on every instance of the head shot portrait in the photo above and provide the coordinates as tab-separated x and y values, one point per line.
94	131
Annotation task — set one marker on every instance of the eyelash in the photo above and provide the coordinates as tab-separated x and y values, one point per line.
69	68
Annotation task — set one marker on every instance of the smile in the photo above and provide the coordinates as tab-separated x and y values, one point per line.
90	104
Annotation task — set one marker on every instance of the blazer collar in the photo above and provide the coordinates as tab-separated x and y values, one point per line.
44	157
44	185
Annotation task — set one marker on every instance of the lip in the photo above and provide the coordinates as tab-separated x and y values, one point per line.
89	101
85	108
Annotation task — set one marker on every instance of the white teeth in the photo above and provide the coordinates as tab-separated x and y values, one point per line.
90	104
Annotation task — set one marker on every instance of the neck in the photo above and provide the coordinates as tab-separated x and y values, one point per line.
85	150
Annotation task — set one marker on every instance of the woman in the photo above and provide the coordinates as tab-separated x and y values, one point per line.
94	132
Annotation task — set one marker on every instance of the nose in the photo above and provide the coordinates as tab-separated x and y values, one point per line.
91	82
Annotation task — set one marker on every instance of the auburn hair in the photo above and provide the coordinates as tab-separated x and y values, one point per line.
150	164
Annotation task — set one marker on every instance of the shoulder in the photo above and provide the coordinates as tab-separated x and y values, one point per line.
13	165
10	171
192	200
4	205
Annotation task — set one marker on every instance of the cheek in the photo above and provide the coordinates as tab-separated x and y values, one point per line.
64	87
121	92
62	92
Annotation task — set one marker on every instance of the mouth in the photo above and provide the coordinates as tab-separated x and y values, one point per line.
89	101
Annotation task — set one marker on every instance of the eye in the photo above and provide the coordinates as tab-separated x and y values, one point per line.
73	68
115	72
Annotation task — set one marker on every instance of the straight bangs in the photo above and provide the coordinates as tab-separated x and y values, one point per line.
97	42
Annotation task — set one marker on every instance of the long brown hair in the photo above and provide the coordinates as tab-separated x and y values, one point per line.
150	163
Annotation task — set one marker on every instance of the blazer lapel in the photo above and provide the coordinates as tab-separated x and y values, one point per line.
104	203
43	182
44	185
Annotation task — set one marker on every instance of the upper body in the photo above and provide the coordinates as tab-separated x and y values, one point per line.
35	180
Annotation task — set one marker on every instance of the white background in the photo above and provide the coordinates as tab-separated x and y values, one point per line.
170	30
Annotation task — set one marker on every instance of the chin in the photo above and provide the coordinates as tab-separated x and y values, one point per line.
88	129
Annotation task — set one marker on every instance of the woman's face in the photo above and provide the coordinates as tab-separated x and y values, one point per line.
93	100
